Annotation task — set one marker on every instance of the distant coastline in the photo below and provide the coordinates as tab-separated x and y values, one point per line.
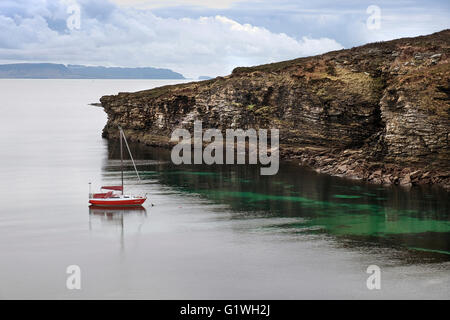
61	71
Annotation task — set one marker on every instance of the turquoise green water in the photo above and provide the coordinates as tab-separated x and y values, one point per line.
415	220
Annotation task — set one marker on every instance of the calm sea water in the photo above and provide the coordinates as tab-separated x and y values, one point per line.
206	231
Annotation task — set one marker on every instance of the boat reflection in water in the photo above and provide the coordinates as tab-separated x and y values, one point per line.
128	220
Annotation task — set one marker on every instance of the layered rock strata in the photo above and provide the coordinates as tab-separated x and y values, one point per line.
379	112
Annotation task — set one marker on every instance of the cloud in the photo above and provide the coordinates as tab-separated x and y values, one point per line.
121	36
145	4
343	21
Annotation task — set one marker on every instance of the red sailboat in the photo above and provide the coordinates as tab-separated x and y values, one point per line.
112	198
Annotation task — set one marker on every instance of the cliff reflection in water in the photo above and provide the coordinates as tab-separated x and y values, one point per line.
415	221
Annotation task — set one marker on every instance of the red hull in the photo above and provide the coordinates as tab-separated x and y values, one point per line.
117	202
101	209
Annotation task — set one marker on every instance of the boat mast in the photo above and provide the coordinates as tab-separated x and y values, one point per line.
131	156
122	137
121	155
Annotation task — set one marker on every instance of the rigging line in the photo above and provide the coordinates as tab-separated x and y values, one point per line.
128	148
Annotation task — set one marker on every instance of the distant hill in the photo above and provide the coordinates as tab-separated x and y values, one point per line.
60	71
204	78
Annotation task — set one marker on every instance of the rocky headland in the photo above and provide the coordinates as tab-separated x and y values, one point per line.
378	112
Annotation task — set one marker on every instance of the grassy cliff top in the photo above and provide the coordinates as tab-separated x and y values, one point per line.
380	60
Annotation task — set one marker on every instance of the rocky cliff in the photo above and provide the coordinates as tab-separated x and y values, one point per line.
379	112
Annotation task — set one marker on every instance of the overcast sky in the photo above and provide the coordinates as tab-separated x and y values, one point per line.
198	37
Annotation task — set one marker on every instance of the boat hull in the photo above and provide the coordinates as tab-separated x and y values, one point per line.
117	202
100	210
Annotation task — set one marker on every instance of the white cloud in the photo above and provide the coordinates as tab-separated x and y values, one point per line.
130	37
145	4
